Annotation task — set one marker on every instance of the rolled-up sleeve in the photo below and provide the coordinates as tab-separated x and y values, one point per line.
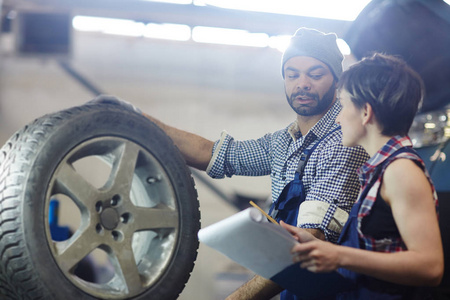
246	158
334	189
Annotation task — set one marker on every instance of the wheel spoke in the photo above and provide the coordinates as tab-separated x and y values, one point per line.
71	183
155	218
72	251
123	168
126	268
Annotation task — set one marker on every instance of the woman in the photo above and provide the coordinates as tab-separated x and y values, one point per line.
390	246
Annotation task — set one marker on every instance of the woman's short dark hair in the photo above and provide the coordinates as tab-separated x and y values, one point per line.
393	89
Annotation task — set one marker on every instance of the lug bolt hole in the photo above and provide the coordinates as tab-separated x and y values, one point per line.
115	200
117	235
125	218
99	206
99	228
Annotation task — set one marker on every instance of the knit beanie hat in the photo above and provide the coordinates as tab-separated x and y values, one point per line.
316	44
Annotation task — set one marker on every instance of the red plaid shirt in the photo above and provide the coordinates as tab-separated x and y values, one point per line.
366	172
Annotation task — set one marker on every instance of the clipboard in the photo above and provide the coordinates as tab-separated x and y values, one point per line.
249	239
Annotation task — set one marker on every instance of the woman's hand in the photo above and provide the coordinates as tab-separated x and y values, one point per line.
317	256
312	253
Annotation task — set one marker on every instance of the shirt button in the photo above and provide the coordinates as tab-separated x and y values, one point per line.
284	177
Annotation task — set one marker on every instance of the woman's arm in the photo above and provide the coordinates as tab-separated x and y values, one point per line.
408	191
406	188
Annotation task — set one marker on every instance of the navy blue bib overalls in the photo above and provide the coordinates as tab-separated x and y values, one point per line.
286	207
369	287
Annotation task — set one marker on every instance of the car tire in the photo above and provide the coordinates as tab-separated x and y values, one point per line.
135	229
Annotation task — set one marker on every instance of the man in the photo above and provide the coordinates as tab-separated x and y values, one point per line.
311	66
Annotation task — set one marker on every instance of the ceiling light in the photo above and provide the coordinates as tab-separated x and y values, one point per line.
175	32
108	25
227	36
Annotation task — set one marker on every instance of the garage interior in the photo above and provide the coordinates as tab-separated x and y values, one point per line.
47	64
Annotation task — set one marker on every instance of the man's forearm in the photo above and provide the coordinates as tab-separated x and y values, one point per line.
317	233
257	288
196	150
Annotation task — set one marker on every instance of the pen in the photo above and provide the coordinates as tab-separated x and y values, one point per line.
264	213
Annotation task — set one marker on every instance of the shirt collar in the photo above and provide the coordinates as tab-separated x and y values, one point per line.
321	128
387	150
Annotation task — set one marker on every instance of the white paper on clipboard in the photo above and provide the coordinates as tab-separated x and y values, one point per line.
251	240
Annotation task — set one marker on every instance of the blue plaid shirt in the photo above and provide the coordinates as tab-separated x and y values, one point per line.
330	177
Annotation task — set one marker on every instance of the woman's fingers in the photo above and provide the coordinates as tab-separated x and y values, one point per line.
303	254
306	262
300	257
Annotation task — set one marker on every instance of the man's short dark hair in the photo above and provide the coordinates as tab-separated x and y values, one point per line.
393	89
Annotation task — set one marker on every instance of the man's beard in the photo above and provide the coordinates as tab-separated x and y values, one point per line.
321	106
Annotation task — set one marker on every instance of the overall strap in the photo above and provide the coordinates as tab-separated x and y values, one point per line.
293	194
374	177
384	164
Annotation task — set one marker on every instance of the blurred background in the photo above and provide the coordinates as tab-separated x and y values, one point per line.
208	66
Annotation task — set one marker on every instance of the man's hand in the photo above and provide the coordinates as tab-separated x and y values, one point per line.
106	99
